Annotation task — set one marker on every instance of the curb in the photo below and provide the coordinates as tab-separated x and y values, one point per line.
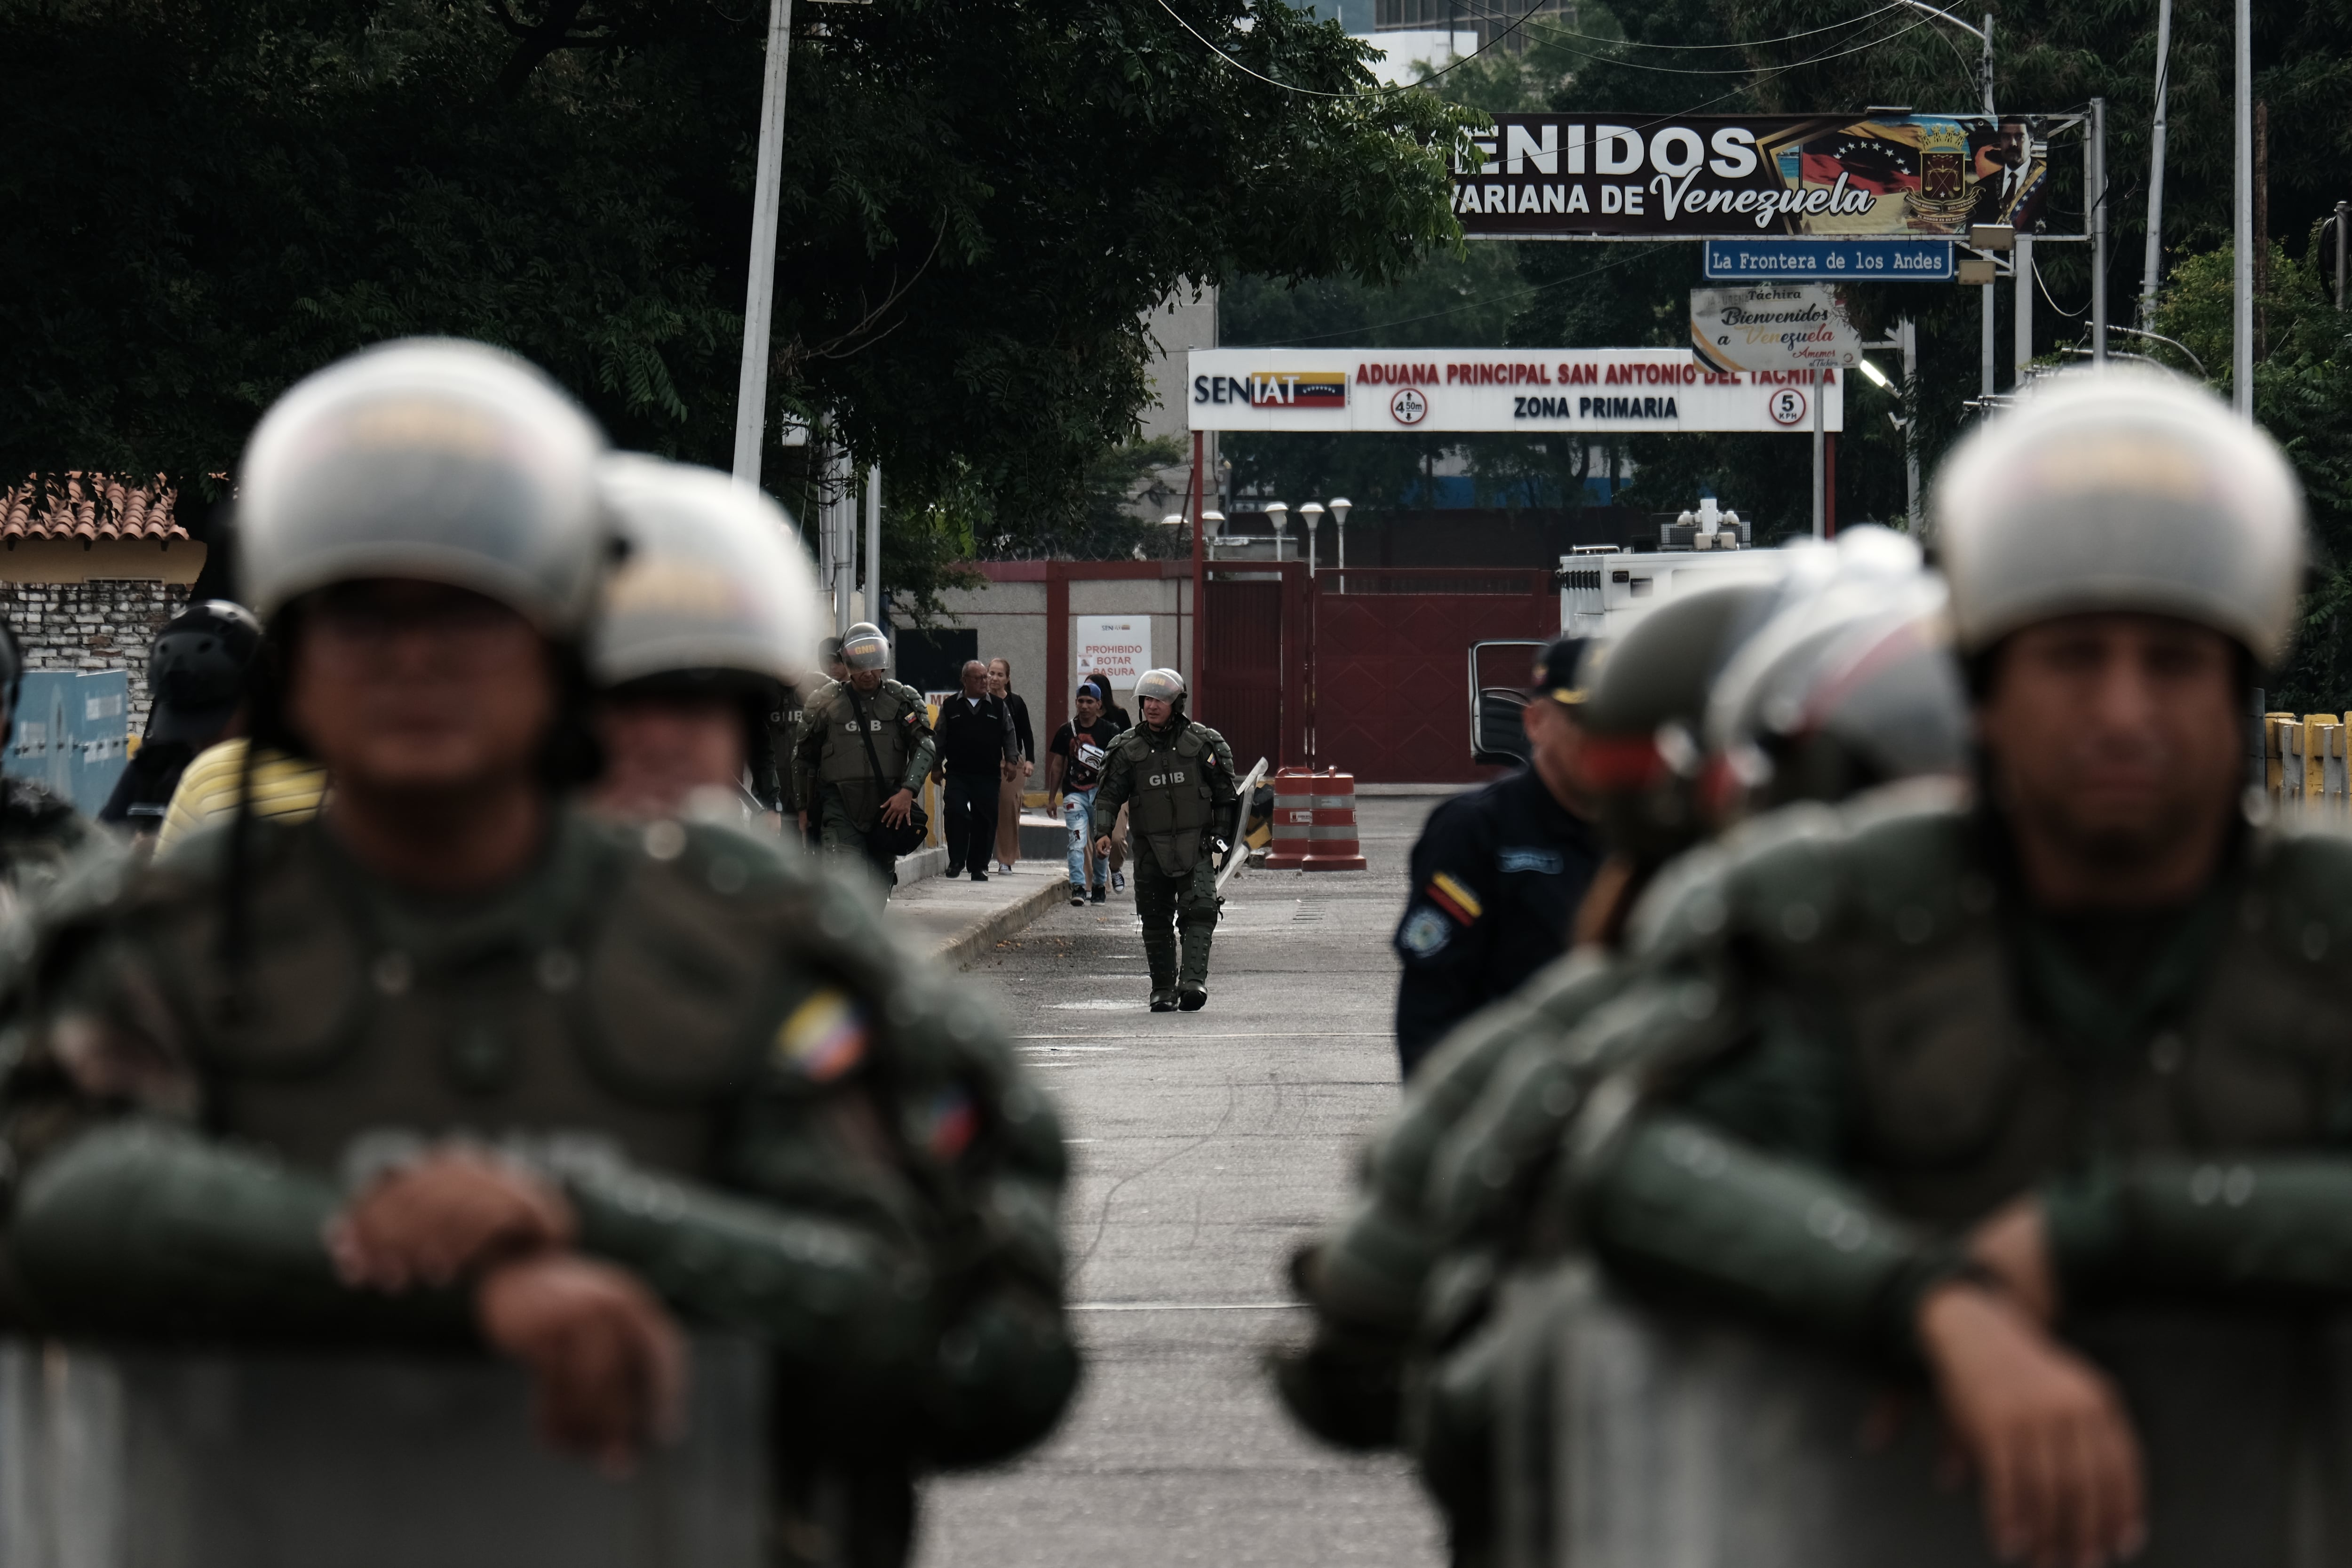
978	937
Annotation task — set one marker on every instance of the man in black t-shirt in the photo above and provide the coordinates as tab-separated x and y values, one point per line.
1074	765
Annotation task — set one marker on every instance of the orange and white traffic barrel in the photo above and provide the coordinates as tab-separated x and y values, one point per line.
1331	831
1294	819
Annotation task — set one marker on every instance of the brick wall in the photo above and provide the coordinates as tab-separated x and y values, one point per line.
106	623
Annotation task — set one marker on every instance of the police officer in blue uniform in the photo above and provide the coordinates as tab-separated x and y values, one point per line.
1497	875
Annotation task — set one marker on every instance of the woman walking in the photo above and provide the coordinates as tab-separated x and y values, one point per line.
1016	775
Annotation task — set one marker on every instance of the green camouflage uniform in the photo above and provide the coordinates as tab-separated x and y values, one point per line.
831	770
754	1100
1179	786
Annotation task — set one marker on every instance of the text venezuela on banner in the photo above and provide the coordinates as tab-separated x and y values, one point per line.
1724	176
1528	390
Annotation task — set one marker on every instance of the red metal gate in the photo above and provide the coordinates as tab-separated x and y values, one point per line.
1253	658
1367	669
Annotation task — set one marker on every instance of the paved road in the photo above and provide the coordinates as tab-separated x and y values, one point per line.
1206	1145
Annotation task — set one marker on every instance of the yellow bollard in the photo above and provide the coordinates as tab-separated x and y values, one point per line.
2274	751
2314	756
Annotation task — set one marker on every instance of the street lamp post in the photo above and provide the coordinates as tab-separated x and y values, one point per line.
1340	506
1310	519
1279	515
1210	521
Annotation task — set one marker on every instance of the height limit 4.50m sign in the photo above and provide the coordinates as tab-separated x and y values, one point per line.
1588	176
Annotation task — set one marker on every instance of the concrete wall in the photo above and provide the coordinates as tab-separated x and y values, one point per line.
1186	319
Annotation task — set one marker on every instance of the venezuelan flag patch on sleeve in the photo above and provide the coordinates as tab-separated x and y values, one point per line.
1454	898
946	1126
824	1036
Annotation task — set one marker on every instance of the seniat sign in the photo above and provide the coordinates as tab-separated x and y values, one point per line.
1604	391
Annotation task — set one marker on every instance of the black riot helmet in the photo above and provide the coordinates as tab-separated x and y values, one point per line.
197	670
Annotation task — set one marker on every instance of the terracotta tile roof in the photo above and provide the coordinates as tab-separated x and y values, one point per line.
88	506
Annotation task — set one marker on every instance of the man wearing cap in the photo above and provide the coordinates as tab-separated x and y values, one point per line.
195	686
454	1065
1947	1079
1178	775
1497	875
865	744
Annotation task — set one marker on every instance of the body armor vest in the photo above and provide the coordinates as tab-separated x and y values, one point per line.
1894	945
1170	805
601	1001
844	769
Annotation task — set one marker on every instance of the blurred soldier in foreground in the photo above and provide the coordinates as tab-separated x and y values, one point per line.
39	834
1178	778
864	746
195	686
1863	689
1497	875
454	1065
1973	1069
702	629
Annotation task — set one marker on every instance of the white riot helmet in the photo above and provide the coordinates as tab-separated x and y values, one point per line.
1850	683
2121	488
1165	684
864	647
714	580
429	457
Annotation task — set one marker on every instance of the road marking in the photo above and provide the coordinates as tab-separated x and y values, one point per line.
1100	1004
1180	1033
1188	1307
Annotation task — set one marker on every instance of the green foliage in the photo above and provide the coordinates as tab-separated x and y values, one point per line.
2303	396
980	200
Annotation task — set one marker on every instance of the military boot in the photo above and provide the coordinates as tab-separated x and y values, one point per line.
1192	996
1163	997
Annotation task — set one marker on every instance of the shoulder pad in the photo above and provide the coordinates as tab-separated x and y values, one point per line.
1138	743
1887	858
1206	733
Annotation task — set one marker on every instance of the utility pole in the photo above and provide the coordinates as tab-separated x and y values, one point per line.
2096	181
759	293
1907	334
2021	258
1821	473
874	547
2155	168
1990	331
2241	313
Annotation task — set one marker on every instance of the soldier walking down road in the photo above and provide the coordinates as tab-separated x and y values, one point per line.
453	1064
1176	776
705	623
865	747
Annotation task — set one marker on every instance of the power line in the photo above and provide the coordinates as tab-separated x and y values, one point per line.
1319	92
1687	48
1746	70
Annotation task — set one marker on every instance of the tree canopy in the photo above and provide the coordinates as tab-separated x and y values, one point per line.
981	199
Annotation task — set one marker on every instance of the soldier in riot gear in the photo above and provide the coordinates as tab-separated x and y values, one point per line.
1978	1069
864	749
1177	779
453	1064
703	627
195	686
1844	653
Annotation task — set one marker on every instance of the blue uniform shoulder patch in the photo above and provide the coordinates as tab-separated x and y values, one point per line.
1425	933
1543	862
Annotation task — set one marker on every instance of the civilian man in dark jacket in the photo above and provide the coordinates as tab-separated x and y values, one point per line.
975	737
1497	875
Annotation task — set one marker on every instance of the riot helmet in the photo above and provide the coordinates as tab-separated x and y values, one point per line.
864	647
713	586
1167	686
2121	488
1851	684
196	671
1645	710
431	458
